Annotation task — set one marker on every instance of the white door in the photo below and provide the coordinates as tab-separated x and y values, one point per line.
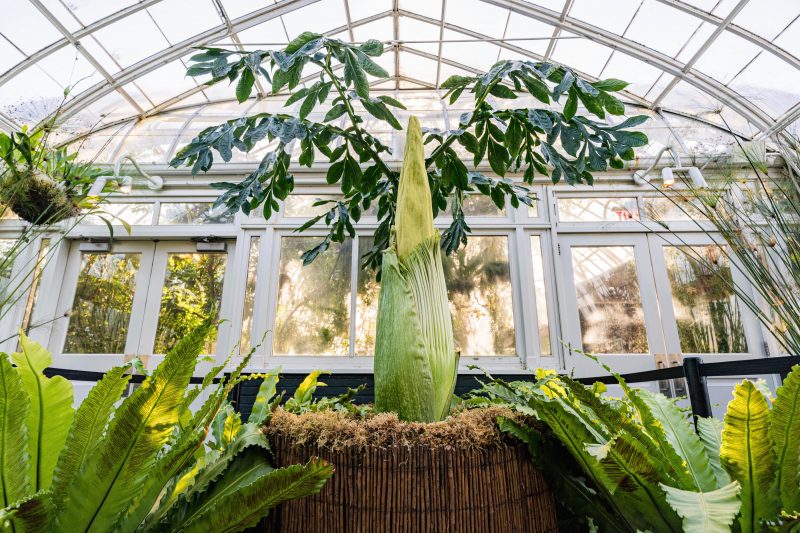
609	304
139	298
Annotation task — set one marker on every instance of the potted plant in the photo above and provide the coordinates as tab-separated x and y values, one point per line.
394	478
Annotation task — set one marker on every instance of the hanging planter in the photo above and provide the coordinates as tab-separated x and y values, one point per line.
38	198
461	475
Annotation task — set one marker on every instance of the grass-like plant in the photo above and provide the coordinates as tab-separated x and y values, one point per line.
146	463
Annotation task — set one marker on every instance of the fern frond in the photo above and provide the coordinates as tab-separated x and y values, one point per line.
14	406
710	432
32	514
51	412
709	512
785	432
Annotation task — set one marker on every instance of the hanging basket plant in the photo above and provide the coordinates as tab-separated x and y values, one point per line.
42	185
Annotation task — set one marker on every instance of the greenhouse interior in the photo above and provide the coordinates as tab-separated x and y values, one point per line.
400	265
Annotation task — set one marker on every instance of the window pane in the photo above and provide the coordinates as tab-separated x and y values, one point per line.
249	294
302	205
6	263
313	308
609	302
597	209
101	310
665	209
191	213
366	303
479	285
133	214
478	205
192	289
541	295
706	309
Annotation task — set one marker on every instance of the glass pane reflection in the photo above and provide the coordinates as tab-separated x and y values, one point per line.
706	309
192	290
101	310
609	301
313	308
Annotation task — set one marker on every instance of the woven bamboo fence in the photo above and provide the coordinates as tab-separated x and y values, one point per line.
418	489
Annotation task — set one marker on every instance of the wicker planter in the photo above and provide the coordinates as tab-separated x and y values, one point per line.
418	489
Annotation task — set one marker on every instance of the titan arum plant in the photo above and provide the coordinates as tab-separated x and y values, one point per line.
415	363
415	357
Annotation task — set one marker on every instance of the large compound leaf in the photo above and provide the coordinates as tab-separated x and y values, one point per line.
141	427
14	406
86	431
709	512
747	454
785	432
51	412
710	432
683	439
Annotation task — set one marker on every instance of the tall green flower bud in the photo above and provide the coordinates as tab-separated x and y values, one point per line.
415	359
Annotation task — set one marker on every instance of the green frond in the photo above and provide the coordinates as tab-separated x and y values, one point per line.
51	411
142	425
266	391
250	488
707	512
86	431
14	406
684	440
32	514
710	432
746	454
785	432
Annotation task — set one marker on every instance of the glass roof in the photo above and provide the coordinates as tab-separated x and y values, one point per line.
734	62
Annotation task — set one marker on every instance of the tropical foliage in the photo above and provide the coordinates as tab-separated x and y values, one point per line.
146	463
415	359
530	141
639	465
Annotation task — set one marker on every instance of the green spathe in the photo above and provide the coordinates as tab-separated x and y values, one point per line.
415	359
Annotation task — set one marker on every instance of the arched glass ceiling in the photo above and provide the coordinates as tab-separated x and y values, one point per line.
733	61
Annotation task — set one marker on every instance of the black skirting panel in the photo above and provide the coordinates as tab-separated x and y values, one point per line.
338	383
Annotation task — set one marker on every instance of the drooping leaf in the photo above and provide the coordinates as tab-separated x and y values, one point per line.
747	454
710	432
785	433
709	512
51	411
266	391
14	407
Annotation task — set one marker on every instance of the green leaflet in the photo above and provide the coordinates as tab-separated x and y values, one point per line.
785	432
51	412
710	433
747	454
266	391
87	429
14	406
709	512
683	439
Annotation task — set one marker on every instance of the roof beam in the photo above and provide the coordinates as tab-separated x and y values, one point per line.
98	91
396	33
702	50
349	20
551	46
441	38
78	35
783	122
705	83
756	39
96	64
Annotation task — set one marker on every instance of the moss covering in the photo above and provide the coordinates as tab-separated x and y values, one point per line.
466	429
38	199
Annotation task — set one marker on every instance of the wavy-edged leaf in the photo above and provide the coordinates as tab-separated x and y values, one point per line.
14	406
746	454
51	411
785	432
141	427
684	440
709	512
32	514
266	391
87	429
250	488
710	432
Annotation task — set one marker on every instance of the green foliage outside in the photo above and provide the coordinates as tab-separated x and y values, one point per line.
635	463
530	141
145	463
